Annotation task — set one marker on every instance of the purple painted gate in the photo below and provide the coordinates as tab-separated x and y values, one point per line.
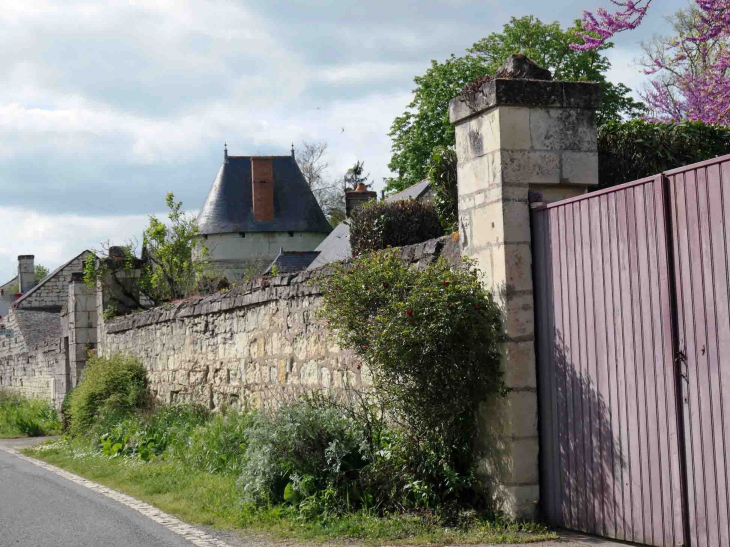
632	288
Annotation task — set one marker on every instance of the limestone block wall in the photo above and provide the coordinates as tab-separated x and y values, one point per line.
53	293
30	371
254	346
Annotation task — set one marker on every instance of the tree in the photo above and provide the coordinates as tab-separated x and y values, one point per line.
176	256
691	68
425	125
328	193
354	176
40	272
173	257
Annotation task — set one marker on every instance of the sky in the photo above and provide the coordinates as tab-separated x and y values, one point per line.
107	106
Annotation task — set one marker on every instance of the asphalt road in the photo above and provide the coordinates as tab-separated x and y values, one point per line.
41	509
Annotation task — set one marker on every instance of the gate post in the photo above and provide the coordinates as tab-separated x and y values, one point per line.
513	137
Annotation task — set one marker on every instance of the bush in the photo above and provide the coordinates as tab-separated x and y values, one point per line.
24	417
303	449
377	225
633	150
432	340
442	175
110	388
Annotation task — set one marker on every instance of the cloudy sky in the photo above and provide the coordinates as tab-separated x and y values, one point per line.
107	106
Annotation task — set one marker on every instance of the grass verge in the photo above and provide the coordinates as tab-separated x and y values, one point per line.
215	500
23	417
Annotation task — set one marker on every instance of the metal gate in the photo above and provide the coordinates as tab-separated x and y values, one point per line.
632	288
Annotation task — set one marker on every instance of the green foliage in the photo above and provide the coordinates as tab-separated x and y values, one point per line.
24	417
40	272
431	339
442	175
311	448
172	258
109	312
632	150
425	125
377	225
174	253
110	387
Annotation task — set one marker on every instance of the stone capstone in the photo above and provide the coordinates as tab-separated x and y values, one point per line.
520	66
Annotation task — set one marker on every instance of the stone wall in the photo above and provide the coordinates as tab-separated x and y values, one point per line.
53	293
250	347
30	371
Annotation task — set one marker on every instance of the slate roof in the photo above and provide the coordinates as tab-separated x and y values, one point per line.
13	280
335	247
292	261
37	326
45	279
229	205
415	191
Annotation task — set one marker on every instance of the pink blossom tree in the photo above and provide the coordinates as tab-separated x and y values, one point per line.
691	69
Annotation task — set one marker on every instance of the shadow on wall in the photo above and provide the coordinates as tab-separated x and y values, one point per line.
587	467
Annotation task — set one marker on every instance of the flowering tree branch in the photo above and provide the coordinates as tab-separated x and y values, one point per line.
698	61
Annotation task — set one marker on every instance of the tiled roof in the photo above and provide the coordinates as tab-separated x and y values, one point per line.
229	205
415	191
13	280
292	261
37	326
335	247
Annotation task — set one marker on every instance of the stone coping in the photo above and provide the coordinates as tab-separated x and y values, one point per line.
266	289
504	92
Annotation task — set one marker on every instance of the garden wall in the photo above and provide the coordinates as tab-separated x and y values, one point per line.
250	347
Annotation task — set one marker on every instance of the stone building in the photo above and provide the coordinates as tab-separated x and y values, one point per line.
257	206
8	292
36	351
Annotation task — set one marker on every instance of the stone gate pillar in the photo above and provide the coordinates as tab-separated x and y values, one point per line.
515	137
82	324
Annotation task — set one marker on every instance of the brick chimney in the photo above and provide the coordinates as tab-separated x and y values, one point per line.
262	179
357	197
26	273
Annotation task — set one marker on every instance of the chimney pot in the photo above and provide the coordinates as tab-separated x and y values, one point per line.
356	198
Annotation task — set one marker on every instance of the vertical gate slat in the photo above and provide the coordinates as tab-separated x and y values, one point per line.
695	340
716	298
686	334
623	303
666	396
723	320
589	383
607	221
602	455
568	439
709	392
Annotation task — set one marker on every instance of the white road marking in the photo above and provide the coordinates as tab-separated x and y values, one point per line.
192	534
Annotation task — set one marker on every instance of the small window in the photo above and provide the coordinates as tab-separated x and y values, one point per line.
291	234
242	234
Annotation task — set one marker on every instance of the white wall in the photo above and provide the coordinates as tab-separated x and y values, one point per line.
231	252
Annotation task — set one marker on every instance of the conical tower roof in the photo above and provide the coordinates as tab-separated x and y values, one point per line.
229	205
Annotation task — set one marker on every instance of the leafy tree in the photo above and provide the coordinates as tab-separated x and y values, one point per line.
173	258
174	252
692	67
40	272
425	125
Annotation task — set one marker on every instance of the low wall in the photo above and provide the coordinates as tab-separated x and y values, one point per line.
248	347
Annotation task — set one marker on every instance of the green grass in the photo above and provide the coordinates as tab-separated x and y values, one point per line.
209	499
23	417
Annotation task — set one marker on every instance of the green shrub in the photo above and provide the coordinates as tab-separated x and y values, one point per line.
309	448
636	149
442	175
216	446
110	388
377	225
431	339
24	417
